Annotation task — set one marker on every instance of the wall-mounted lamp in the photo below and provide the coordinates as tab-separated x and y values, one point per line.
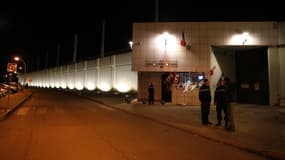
244	37
165	36
131	43
243	43
166	41
241	38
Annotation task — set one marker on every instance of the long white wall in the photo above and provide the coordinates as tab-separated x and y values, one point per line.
108	73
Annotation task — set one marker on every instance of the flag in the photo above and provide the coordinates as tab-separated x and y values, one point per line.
170	78
183	41
177	79
212	70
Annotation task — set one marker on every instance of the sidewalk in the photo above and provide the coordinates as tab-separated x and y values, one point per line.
8	105
259	129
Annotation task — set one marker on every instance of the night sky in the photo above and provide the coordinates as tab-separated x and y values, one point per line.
29	30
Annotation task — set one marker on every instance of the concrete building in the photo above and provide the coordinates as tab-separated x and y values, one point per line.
175	57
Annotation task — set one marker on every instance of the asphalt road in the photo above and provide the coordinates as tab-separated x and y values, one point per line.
56	126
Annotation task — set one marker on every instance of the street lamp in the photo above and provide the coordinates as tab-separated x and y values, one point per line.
25	68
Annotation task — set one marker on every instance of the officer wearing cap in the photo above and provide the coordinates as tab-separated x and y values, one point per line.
205	99
221	102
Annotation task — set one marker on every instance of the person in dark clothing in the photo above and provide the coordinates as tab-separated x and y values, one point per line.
205	99
229	91
150	94
221	102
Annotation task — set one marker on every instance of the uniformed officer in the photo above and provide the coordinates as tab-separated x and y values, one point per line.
205	99
229	91
150	94
221	102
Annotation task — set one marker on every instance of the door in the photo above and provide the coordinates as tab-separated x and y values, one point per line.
165	88
252	76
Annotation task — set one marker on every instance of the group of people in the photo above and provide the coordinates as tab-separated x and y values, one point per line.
223	99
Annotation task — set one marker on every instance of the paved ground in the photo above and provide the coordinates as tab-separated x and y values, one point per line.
259	129
53	125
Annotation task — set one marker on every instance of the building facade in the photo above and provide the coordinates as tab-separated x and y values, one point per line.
177	56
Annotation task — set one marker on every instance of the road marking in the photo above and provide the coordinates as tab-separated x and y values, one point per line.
22	111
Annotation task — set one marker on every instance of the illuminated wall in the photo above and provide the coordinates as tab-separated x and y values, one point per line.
112	72
160	43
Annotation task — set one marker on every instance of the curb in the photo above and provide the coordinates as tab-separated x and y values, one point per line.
6	114
275	155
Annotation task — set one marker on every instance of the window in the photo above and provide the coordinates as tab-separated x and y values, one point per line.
193	77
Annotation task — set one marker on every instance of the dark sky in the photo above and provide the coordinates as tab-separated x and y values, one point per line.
29	30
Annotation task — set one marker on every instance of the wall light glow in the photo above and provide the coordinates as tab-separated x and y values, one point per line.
44	85
166	41
70	86
241	39
123	87
90	86
104	87
57	85
79	86
63	85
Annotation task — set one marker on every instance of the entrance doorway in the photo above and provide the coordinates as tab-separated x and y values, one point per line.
252	76
247	67
165	88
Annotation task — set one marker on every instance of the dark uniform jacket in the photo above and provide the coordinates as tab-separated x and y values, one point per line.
220	95
229	91
205	94
151	90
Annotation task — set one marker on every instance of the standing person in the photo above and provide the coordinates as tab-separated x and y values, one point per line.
150	94
221	102
205	99
229	90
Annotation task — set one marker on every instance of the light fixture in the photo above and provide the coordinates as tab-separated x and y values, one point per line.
244	37
165	36
131	43
16	58
241	38
161	63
